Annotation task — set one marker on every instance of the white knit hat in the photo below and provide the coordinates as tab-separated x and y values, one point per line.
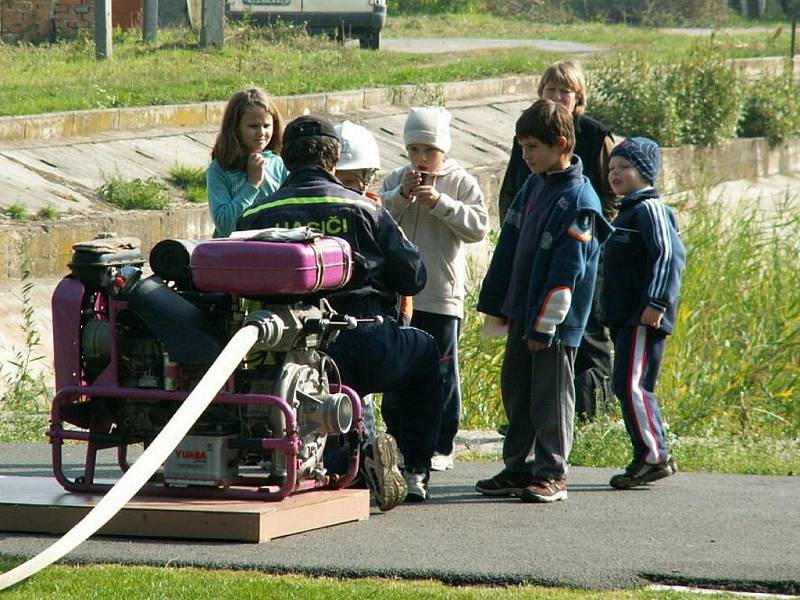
428	125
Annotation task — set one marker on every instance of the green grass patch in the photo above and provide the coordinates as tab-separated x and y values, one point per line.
133	194
101	582
47	212
21	427
605	443
192	180
66	76
16	212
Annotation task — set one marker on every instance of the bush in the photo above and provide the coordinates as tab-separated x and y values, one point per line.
640	12
695	99
433	7
771	109
628	95
708	97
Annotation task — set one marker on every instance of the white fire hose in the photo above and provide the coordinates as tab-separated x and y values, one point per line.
266	325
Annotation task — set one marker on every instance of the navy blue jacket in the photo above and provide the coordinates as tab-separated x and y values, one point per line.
643	262
386	263
562	257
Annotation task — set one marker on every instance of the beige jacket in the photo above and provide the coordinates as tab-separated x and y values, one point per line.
459	217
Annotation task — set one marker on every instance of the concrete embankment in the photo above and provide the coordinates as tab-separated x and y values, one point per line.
59	160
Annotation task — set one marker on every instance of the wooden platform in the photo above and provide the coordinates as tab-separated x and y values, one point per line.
41	505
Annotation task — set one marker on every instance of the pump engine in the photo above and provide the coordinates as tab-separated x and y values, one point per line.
129	347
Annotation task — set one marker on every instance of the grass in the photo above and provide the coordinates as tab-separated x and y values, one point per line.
47	212
25	397
135	194
102	582
192	180
66	76
733	366
16	212
730	382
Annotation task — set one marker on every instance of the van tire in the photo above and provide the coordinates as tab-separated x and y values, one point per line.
370	40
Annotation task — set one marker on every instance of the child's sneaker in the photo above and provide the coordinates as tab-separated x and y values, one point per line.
441	462
504	484
379	466
417	483
545	490
640	473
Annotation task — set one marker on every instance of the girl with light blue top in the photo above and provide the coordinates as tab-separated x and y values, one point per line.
246	163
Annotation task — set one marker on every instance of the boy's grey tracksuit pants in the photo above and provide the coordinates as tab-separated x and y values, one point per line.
539	398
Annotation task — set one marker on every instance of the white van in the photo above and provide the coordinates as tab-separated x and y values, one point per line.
362	19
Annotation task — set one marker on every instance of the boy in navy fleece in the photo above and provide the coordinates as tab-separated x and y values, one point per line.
644	261
540	283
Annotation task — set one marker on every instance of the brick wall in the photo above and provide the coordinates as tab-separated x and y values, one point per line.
72	16
42	20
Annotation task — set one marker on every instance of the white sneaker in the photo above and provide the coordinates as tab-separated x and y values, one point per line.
441	462
417	484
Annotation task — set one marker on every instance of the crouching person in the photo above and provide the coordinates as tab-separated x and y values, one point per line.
375	357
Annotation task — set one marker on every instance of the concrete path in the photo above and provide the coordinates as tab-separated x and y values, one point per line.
442	45
706	31
741	532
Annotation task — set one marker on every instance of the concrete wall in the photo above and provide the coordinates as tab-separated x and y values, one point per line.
45	247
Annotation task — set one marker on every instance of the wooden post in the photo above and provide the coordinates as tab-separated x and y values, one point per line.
793	47
150	22
211	29
102	29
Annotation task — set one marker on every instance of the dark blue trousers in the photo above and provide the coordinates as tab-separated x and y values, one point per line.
638	351
402	362
445	330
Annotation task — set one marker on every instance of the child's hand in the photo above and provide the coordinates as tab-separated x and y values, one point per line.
410	180
494	327
651	317
255	169
427	195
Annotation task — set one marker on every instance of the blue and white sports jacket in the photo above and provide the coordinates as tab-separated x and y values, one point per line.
544	266
643	262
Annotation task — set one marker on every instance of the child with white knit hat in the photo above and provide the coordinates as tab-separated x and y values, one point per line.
441	208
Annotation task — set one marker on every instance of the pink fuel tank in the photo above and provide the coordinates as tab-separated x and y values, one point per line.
263	268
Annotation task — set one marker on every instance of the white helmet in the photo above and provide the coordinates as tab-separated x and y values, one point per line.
359	148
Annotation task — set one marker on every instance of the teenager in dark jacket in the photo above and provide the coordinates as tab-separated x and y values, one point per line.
564	82
377	357
644	261
541	281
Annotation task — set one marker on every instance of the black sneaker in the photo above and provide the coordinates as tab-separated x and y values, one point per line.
379	467
504	484
417	483
640	473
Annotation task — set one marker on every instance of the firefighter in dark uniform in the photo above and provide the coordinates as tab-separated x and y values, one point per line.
377	357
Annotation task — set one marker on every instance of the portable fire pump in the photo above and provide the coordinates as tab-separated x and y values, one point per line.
129	347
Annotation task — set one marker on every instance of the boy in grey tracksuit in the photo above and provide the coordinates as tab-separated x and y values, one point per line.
441	208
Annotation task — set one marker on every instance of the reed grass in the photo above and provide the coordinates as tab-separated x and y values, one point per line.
732	368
